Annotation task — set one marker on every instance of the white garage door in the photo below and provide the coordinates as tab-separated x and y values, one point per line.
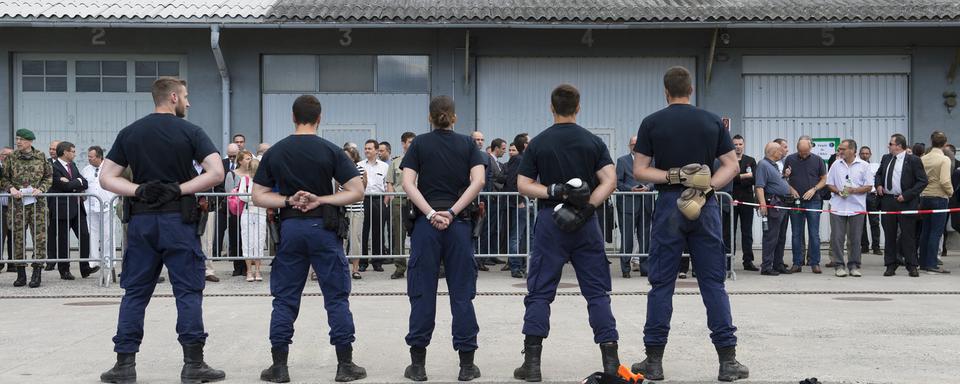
85	99
363	96
860	97
615	94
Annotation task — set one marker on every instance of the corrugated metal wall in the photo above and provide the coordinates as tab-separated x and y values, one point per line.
513	93
867	108
388	115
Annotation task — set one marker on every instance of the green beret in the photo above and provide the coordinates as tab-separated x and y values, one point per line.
26	134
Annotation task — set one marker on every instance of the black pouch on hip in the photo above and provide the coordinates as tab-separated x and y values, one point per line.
189	210
126	208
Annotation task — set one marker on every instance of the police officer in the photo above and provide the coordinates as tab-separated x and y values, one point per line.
685	141
160	149
309	235
442	174
576	175
27	173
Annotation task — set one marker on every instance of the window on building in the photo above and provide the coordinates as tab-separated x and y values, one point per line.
101	76
346	73
44	75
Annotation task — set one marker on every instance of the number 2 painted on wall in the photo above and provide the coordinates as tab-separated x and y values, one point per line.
97	38
345	39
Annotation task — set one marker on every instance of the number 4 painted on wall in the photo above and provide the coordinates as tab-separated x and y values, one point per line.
587	38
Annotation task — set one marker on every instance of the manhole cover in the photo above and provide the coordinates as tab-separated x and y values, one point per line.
91	303
862	298
559	286
687	284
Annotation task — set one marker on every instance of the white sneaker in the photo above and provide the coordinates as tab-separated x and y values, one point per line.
841	272
855	273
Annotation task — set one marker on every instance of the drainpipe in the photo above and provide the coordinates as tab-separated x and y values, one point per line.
224	84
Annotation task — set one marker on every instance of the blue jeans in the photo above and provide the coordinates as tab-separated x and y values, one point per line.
812	220
517	240
933	226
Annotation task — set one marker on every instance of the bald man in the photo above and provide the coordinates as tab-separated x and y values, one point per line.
808	175
771	189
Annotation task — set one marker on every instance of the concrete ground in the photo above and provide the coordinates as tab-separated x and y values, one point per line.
872	329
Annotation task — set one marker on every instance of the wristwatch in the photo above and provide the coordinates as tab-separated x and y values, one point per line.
286	202
451	212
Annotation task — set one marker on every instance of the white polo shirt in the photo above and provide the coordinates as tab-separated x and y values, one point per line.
859	175
376	175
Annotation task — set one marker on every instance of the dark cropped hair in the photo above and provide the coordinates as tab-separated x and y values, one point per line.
565	99
678	82
63	147
306	110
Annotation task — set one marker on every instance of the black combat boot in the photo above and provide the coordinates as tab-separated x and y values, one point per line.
652	366
468	370
611	361
346	369
123	372
195	370
278	372
730	368
35	277
530	370
21	276
417	370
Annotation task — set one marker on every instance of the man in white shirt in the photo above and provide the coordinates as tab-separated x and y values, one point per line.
849	180
98	211
373	206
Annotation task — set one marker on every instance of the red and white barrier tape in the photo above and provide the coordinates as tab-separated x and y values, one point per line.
913	212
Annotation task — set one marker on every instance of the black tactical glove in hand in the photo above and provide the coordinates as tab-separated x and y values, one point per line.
570	219
156	193
574	191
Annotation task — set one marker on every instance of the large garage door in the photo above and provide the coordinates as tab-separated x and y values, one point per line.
860	97
85	99
615	94
363	96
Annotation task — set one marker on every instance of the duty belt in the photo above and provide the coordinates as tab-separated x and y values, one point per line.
138	207
287	213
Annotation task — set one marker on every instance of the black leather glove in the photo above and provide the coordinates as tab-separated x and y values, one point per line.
574	191
157	193
570	219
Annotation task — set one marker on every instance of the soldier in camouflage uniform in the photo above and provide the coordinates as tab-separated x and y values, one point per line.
27	168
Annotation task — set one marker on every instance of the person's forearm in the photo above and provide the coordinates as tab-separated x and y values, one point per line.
118	185
530	188
468	196
760	196
833	189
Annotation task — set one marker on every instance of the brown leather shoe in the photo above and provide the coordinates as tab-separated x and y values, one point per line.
796	269
816	269
212	278
829	264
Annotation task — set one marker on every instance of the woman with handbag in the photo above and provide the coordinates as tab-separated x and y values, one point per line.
253	219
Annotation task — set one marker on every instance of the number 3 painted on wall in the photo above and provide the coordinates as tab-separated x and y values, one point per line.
97	38
345	39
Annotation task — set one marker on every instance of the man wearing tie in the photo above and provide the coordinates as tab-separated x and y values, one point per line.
634	212
98	211
67	211
225	220
899	182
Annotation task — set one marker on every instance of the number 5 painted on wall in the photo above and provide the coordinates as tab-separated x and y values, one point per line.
97	38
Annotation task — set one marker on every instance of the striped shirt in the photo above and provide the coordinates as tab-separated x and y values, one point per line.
358	206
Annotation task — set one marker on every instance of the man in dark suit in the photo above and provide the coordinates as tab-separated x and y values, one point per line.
899	182
67	212
51	245
633	212
226	221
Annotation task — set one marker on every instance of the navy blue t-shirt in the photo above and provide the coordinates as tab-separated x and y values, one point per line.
563	152
442	159
304	163
161	147
682	134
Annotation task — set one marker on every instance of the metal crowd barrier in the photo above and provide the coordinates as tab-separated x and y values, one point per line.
73	231
376	228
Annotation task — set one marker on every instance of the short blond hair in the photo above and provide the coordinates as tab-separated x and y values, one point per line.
164	86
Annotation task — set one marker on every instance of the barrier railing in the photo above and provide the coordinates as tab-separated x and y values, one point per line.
54	227
376	232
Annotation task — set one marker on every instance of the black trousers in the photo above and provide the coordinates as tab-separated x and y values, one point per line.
372	241
873	204
229	224
903	245
58	237
743	219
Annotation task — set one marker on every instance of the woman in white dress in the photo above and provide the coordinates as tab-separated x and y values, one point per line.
253	220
